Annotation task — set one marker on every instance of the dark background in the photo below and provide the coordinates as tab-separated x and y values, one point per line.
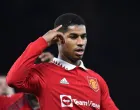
113	38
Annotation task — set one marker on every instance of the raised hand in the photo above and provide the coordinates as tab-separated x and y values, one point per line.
53	36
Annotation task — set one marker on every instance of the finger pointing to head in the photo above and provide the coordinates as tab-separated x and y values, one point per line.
57	28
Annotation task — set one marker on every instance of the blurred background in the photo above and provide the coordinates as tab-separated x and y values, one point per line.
113	28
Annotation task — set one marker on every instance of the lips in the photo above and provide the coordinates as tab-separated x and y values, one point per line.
79	52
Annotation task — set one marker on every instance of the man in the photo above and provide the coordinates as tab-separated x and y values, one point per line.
9	100
65	83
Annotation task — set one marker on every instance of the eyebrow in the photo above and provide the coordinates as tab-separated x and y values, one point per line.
78	34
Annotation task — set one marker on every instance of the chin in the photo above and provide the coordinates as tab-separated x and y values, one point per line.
78	57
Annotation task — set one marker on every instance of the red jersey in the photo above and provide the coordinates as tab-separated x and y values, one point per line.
15	102
59	85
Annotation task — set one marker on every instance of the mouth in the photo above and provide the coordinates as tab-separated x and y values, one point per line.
79	52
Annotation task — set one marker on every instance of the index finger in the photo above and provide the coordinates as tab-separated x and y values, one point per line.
57	28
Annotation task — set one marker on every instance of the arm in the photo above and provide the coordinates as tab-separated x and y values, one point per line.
23	74
106	101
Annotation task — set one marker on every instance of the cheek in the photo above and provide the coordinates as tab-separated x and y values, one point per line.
68	47
85	43
69	44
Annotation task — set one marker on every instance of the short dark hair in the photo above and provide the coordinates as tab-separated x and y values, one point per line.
68	19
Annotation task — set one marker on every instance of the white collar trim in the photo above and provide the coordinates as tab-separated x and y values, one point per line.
67	65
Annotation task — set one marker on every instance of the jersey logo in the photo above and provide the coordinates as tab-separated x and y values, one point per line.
69	101
93	83
64	81
66	101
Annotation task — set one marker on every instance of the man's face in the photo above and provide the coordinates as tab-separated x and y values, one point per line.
75	42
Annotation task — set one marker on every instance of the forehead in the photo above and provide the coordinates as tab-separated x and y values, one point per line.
79	29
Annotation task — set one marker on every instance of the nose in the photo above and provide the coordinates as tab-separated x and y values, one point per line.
80	41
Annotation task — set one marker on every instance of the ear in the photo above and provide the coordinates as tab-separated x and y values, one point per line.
59	42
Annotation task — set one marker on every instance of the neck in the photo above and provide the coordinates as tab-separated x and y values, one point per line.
74	62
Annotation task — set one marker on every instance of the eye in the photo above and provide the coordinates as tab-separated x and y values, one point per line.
73	36
83	36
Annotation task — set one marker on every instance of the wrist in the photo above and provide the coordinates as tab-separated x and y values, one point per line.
47	40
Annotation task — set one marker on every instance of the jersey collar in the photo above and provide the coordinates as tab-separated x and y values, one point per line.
67	65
